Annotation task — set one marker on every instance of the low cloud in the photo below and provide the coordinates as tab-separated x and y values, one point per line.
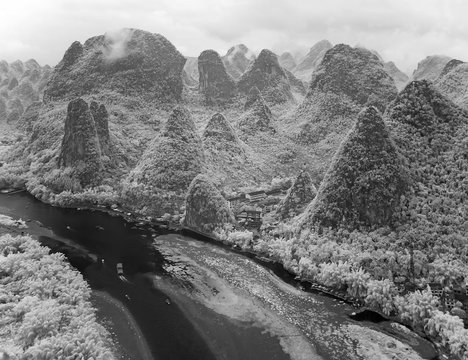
116	44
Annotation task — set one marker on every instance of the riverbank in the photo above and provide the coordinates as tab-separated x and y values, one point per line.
112	314
125	332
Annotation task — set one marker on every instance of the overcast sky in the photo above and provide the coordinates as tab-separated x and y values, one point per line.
404	31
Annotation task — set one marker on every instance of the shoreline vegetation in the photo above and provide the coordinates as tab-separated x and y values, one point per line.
45	309
119	323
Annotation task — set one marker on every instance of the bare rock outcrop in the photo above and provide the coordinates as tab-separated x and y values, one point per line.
237	60
215	84
80	145
101	119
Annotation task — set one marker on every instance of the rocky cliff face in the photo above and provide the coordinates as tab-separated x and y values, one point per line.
399	77
21	84
101	119
237	60
216	86
188	80
287	61
205	207
365	182
346	80
301	193
430	68
452	64
453	82
269	77
312	60
257	115
130	62
296	84
191	67
80	145
174	158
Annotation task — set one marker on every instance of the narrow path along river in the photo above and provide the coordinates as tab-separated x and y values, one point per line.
189	299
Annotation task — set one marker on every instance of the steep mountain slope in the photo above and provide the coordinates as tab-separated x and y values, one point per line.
131	62
21	84
301	193
215	84
430	68
81	147
297	85
257	115
269	77
225	152
431	132
169	164
365	182
237	60
312	60
347	80
220	136
452	64
175	157
453	82
29	116
287	61
191	67
400	78
205	207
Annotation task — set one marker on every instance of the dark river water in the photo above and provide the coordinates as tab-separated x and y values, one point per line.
195	300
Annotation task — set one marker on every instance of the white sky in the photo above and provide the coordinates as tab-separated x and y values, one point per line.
404	31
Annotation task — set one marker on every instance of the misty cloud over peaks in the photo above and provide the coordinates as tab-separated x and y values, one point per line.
116	42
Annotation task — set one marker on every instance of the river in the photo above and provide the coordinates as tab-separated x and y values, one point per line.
193	299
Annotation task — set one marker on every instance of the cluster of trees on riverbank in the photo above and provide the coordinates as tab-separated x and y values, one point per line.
45	309
375	267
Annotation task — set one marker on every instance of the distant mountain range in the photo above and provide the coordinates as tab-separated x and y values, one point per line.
21	84
116	111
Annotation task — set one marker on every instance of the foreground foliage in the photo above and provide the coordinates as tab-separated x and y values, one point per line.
45	312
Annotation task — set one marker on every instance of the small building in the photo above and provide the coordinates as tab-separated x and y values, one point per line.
256	196
274	192
235	201
450	303
437	290
250	216
269	208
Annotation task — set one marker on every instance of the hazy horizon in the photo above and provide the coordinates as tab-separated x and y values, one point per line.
402	32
